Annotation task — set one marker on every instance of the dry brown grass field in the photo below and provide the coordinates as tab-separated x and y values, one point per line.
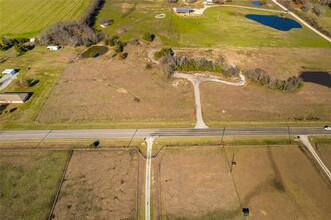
195	183
252	102
102	89
99	185
278	182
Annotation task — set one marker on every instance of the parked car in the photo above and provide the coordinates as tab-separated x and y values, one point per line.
327	127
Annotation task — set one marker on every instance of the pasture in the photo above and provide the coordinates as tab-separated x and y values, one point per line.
219	26
29	180
99	185
195	183
20	18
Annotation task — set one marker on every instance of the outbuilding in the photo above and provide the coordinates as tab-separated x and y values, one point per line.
13	97
184	10
9	71
53	47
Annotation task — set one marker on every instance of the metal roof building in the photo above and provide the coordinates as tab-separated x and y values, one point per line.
13	97
184	10
9	71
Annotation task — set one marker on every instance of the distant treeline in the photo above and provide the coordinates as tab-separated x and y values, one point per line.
91	13
262	77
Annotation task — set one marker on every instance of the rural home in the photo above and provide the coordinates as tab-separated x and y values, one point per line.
13	97
53	47
9	71
183	10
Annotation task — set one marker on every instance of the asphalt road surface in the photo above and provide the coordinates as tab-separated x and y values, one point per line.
164	132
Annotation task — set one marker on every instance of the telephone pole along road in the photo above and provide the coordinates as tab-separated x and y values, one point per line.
163	132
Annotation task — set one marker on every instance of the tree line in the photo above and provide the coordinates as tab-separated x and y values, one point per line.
263	78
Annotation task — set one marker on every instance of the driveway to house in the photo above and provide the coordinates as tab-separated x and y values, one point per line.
306	142
196	79
302	21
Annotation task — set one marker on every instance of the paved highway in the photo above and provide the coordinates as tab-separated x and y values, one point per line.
164	132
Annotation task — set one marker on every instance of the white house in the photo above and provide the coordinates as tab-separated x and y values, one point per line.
9	71
53	47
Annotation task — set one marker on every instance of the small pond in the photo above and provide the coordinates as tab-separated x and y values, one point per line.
257	3
94	51
321	78
274	21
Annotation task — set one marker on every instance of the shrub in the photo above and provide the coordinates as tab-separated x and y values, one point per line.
149	37
21	48
118	49
318	9
163	52
123	55
168	66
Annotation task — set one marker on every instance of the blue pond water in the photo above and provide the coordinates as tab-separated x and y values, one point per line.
257	3
279	23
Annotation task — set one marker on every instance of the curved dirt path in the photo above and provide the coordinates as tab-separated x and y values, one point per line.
196	79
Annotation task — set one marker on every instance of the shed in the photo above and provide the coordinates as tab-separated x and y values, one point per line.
32	40
53	47
9	71
184	10
13	97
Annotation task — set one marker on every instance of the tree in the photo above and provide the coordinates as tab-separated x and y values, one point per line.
148	37
318	9
307	6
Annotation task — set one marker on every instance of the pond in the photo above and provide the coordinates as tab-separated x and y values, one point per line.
321	78
94	51
257	3
274	21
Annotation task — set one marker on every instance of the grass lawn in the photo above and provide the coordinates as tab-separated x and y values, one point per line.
133	18
45	66
29	180
21	18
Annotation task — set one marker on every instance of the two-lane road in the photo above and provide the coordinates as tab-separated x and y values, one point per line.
164	132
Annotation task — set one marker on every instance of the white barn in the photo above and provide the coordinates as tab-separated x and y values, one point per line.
53	47
9	71
13	97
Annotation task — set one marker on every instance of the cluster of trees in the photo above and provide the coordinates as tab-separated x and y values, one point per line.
118	45
89	16
172	1
18	43
313	23
316	8
70	33
263	78
171	63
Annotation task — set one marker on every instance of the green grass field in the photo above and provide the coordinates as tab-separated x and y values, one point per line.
29	181
133	18
27	18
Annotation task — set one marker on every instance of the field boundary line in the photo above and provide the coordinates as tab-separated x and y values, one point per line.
70	152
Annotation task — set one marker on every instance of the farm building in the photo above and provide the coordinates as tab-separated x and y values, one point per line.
208	2
183	10
9	71
13	97
53	47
